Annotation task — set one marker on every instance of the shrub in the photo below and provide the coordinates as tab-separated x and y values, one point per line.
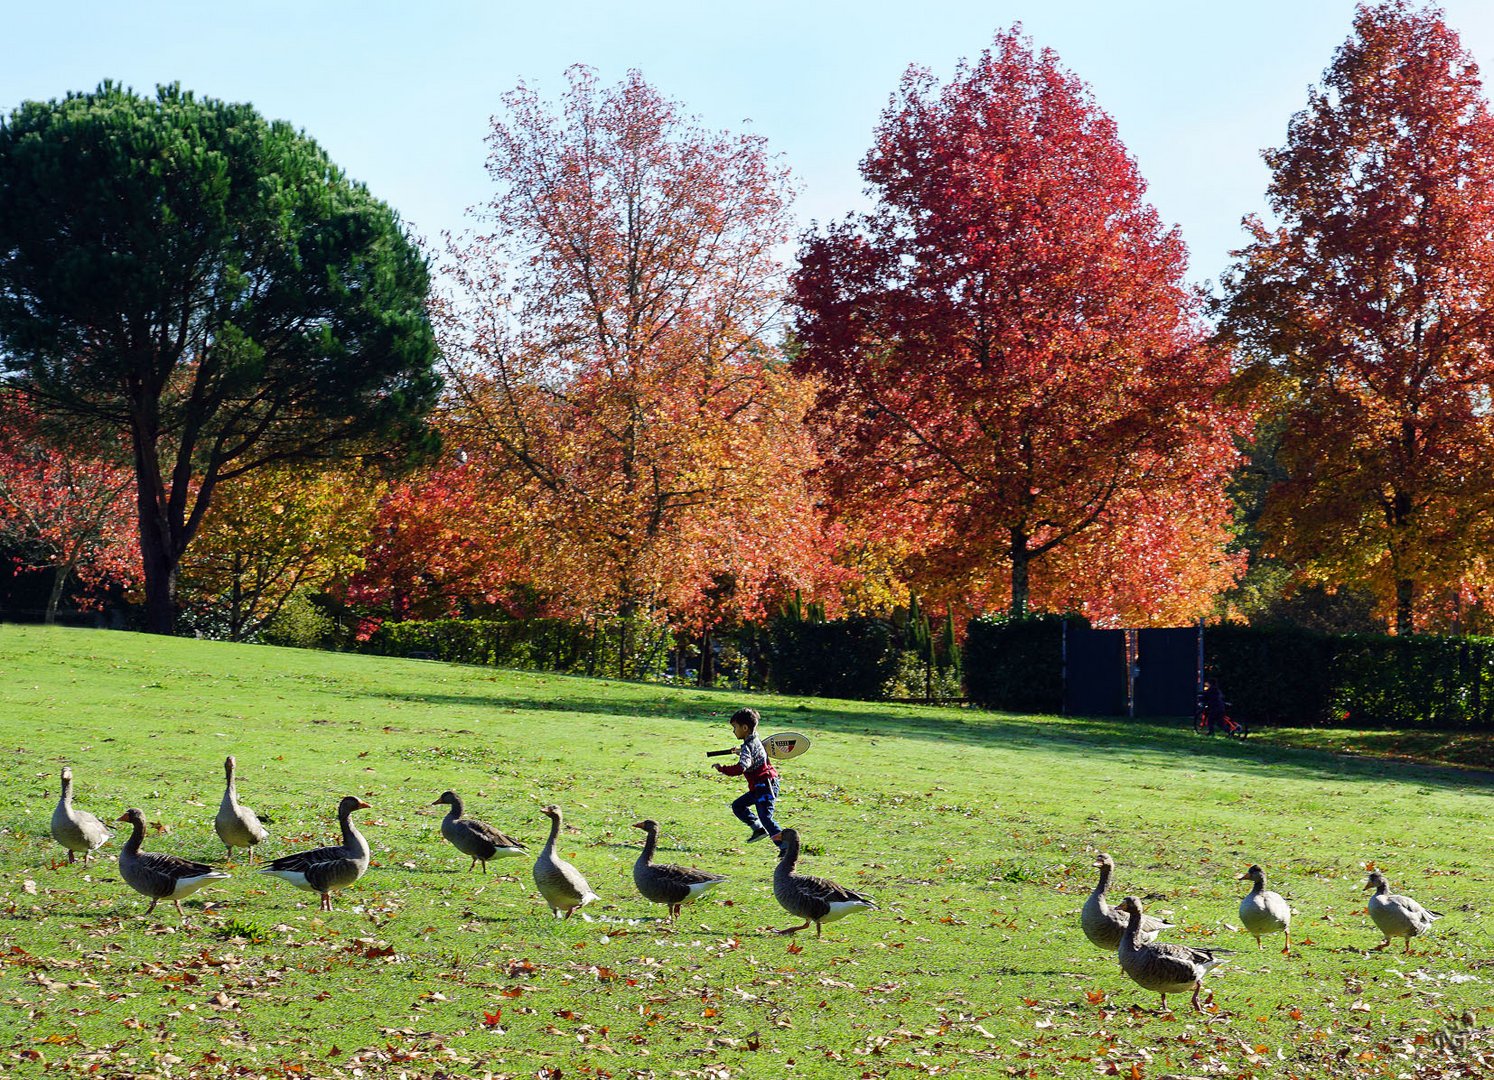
1015	664
847	658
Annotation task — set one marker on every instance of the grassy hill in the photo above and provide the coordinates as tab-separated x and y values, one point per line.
975	833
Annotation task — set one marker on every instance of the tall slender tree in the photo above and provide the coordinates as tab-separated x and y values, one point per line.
209	285
611	344
1369	308
1009	352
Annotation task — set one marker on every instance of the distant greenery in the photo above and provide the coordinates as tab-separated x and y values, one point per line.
975	832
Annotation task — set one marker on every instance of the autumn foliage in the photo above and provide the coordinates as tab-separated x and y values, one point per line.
69	512
1017	384
1368	314
609	346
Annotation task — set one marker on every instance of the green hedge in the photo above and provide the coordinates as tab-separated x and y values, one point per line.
1015	665
1298	677
847	658
630	648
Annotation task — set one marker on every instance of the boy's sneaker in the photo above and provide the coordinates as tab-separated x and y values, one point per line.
757	834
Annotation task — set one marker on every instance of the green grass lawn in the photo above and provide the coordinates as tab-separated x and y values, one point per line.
974	832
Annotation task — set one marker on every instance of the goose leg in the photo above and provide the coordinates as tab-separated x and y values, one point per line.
180	913
1288	950
71	855
326	901
818	929
471	865
1383	945
794	929
1259	944
153	902
1197	988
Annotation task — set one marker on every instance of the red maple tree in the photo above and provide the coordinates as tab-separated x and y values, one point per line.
1369	311
1010	356
71	511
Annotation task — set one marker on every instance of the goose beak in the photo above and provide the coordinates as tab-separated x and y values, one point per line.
362	805
637	824
123	817
1243	877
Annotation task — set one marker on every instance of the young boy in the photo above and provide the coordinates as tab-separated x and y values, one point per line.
762	778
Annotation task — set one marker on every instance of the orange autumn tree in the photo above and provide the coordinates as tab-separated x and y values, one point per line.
1369	312
1017	385
609	352
271	534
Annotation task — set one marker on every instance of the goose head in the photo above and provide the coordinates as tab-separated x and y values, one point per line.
448	798
648	825
1254	874
350	803
1375	880
134	816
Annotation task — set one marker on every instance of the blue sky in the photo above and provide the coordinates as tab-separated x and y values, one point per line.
400	93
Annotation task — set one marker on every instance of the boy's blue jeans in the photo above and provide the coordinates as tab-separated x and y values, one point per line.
761	796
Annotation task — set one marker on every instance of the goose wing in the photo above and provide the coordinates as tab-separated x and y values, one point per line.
487	833
828	892
301	862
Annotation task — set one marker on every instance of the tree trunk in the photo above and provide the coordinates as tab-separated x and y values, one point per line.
55	598
707	674
1020	565
1405	595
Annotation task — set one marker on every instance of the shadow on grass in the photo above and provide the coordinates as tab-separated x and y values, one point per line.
972	727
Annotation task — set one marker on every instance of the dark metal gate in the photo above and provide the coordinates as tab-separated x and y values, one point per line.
1130	672
1165	681
1094	672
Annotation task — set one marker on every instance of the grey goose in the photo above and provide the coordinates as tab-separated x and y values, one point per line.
1103	924
157	875
236	824
474	838
814	899
77	830
324	870
666	883
1263	911
1395	915
1162	967
560	883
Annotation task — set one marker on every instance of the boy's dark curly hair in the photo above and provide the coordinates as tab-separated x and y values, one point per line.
747	718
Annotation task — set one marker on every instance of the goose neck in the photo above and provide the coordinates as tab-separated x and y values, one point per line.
137	836
650	845
456	808
352	839
1103	885
554	833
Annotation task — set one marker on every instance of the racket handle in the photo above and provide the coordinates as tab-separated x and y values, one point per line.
719	753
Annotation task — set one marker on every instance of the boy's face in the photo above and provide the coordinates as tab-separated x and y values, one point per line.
742	731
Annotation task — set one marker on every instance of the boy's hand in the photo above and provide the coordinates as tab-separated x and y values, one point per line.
718	767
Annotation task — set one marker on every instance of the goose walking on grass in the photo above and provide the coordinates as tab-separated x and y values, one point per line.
481	842
157	875
665	883
325	870
560	883
1264	912
1395	915
1103	924
813	899
236	824
77	830
1162	967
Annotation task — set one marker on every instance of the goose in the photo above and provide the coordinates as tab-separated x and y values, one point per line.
1104	925
325	870
664	883
1163	967
813	899
236	824
1265	912
157	875
482	842
77	830
1396	916
560	883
